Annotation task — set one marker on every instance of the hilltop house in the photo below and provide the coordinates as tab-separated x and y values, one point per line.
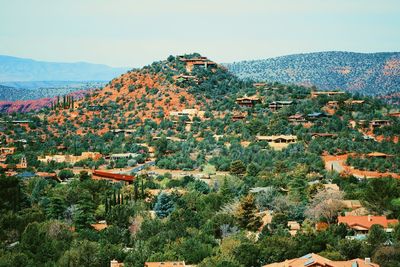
314	260
248	101
277	105
191	63
362	224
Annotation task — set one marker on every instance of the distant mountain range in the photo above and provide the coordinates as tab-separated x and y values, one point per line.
22	69
369	74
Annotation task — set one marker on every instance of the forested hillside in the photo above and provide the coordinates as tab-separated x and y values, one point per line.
369	74
183	161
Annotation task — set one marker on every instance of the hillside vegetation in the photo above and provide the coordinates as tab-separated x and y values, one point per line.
210	187
369	74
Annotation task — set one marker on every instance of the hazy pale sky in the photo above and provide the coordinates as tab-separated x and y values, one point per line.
135	33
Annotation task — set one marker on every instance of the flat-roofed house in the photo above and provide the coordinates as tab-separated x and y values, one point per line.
278	142
248	101
316	115
277	105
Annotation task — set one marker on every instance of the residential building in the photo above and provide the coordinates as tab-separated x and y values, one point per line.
248	101
297	119
191	63
277	105
278	142
315	260
362	224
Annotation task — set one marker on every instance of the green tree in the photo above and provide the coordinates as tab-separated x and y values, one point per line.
237	168
247	214
164	205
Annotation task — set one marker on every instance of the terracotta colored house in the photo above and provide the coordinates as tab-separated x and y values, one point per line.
314	260
362	224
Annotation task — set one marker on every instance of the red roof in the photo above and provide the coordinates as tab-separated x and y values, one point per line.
366	221
114	176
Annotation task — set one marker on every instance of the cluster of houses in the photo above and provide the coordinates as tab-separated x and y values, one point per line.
6	151
315	260
71	159
309	260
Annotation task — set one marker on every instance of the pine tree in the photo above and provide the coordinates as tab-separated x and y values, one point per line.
164	205
247	214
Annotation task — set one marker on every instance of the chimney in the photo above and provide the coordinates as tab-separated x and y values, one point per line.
367	260
369	218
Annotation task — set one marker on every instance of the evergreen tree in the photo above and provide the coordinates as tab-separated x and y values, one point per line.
247	214
164	205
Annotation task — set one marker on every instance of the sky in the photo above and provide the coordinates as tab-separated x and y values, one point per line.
134	33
